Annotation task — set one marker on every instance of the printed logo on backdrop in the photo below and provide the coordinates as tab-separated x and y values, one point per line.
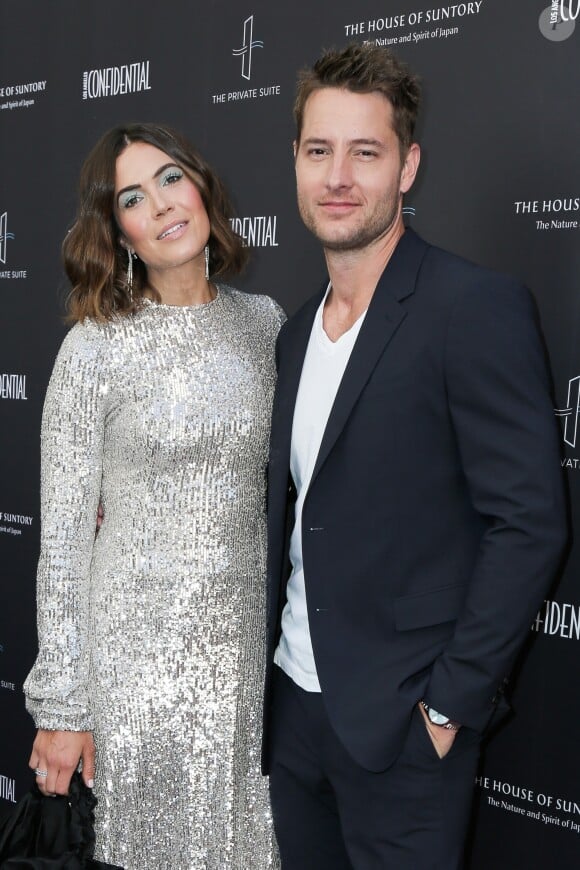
7	789
247	71
535	806
21	96
5	684
560	213
14	524
558	619
248	46
114	81
569	415
5	238
557	21
258	231
7	784
440	22
13	387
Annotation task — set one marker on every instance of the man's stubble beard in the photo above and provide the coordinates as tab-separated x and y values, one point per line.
361	237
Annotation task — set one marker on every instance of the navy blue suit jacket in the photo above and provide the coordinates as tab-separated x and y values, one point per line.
435	517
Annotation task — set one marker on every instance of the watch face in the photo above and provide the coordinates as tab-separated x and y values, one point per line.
437	718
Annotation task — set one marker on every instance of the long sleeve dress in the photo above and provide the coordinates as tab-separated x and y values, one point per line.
152	633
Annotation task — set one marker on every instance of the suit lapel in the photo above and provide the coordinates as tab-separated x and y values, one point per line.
383	318
292	349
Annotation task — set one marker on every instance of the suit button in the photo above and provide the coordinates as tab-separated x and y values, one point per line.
316	529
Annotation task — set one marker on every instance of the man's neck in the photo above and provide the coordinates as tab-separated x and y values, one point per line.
354	276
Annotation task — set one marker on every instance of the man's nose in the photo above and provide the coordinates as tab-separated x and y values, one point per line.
339	172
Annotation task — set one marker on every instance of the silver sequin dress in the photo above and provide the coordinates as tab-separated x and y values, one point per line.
152	635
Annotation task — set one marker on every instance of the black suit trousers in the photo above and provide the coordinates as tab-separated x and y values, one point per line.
332	814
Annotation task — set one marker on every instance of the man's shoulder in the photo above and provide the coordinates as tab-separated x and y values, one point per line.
459	274
468	291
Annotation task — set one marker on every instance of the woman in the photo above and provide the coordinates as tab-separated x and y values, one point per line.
151	635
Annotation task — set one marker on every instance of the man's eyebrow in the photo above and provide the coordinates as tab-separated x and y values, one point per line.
374	142
314	140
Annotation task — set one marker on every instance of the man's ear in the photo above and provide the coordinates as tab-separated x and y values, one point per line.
410	167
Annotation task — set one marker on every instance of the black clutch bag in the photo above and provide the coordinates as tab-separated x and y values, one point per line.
52	833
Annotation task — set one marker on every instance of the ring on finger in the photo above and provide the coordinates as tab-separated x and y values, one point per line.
39	772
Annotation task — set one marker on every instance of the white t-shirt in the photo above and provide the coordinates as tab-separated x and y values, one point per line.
322	371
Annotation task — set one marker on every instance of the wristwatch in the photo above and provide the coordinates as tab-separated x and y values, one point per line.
439	719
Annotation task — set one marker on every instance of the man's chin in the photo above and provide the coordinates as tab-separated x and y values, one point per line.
343	240
332	240
349	243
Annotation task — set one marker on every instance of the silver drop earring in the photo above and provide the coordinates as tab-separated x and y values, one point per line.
130	255
206	255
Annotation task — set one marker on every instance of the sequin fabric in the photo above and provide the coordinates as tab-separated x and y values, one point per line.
152	634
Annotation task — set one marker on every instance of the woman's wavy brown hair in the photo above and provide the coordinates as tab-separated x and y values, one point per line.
94	259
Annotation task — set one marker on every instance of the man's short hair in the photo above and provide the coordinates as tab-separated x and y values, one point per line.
364	69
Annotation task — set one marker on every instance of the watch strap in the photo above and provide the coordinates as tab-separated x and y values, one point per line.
439	719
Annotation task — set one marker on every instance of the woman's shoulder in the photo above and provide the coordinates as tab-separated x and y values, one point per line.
87	342
91	332
85	336
257	304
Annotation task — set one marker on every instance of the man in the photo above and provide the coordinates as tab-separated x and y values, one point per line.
415	464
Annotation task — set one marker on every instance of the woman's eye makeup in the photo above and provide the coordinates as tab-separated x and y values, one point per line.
130	198
170	176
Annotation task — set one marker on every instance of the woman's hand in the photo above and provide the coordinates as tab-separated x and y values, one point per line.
56	754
